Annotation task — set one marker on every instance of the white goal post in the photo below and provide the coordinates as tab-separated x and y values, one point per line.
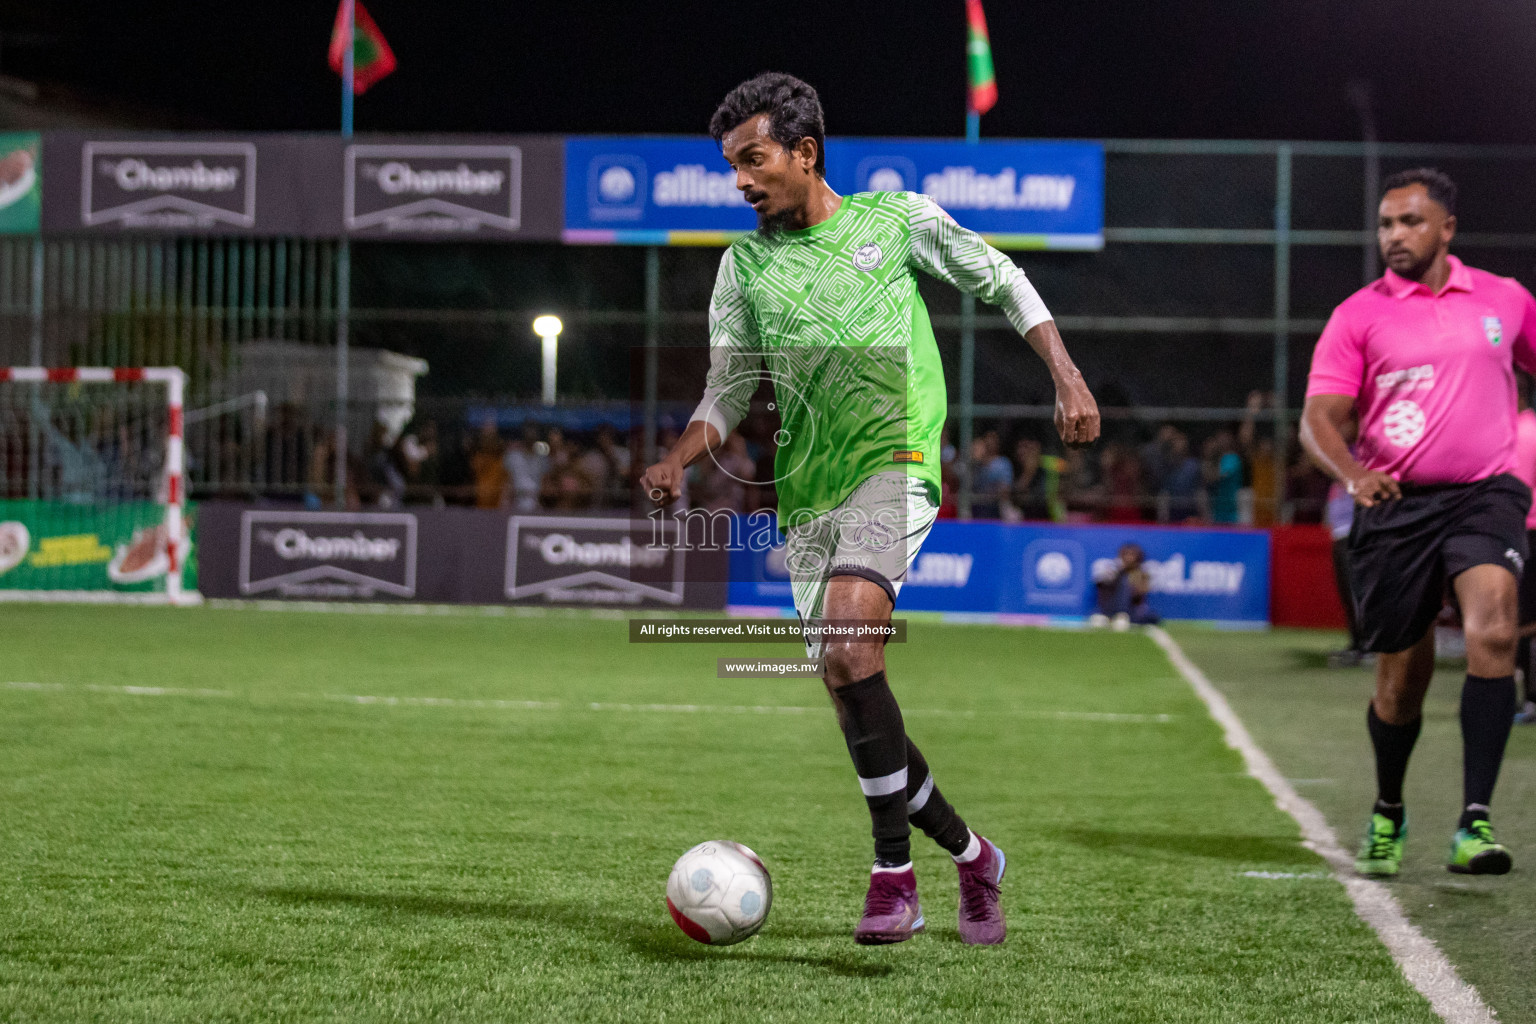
93	485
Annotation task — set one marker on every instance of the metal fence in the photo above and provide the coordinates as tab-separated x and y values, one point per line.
1222	262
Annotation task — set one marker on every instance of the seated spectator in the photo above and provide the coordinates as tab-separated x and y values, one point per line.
1122	591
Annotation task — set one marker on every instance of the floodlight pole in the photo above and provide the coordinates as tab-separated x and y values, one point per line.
548	328
1361	96
344	273
551	344
967	384
652	347
1282	319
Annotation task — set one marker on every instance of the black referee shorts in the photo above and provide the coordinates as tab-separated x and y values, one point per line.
1403	553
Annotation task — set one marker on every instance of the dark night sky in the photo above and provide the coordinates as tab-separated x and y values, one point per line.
1462	71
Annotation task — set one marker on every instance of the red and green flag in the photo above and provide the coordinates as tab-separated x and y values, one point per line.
978	55
372	58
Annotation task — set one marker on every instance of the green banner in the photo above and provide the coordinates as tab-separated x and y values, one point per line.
56	545
21	177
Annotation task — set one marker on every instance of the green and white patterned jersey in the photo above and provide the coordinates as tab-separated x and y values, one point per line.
833	314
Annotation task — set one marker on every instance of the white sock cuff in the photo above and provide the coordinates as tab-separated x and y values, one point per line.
971	852
885	784
878	870
920	801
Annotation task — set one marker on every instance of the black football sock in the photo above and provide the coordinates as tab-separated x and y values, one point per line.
1393	812
927	808
1487	713
877	742
1393	744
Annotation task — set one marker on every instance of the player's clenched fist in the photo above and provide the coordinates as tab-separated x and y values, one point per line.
663	482
1077	414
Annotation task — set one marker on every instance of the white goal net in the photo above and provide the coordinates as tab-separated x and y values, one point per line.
92	485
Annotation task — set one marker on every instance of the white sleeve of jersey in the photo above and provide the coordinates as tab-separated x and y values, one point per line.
951	253
735	360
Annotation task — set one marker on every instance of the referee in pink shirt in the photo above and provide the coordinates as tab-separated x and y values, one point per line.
1427	358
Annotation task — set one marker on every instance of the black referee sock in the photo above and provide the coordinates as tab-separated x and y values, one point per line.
927	808
1487	714
877	742
1393	744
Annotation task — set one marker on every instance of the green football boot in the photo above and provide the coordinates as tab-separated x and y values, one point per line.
1474	852
1382	852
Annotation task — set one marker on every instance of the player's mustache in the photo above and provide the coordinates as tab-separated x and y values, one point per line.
755	196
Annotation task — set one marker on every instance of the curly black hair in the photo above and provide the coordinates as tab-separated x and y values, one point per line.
792	106
1436	182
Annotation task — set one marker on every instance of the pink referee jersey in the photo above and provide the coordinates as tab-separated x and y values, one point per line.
1525	457
1432	375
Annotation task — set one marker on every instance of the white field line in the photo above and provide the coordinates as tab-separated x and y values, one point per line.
132	691
1422	962
1275	876
555	705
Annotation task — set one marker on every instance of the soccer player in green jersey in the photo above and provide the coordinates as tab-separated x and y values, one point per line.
824	296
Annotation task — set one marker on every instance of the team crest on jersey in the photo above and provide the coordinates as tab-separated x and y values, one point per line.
867	257
1494	328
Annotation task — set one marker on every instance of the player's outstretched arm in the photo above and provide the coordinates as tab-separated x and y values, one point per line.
1322	435
663	482
949	252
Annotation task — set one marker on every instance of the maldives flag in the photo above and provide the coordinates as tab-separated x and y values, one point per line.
978	54
372	58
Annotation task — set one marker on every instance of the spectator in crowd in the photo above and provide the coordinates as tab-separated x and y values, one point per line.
419	456
1259	453
1180	482
489	473
386	476
1308	489
1223	471
1122	484
1027	499
994	476
526	462
1081	494
608	466
565	486
1122	588
458	475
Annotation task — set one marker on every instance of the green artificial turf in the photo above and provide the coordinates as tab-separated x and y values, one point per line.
488	846
1311	721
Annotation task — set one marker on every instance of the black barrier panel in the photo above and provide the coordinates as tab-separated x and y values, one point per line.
476	188
217	184
447	556
486	188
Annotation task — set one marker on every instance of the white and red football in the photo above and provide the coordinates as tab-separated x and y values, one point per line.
719	892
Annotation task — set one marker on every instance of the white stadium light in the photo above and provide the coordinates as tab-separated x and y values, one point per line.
548	327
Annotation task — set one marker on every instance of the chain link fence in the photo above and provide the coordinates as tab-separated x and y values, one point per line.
1194	327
